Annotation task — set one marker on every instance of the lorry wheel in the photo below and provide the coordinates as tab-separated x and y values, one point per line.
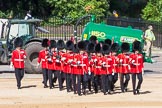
32	51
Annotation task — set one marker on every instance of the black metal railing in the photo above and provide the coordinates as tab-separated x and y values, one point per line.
63	28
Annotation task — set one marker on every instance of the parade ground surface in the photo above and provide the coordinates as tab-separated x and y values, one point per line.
33	95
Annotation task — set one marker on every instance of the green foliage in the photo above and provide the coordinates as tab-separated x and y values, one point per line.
78	8
2	15
153	11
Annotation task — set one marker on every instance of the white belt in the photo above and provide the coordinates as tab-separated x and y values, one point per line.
125	64
98	66
82	65
18	60
75	65
43	59
114	64
136	64
106	66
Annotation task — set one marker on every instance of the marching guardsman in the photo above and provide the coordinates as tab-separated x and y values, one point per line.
68	58
106	70
74	67
17	60
59	64
136	66
114	50
82	67
42	59
97	66
123	63
90	74
51	62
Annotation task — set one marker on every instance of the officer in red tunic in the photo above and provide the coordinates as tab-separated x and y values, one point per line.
59	64
74	67
81	66
136	65
17	60
42	59
123	62
90	74
68	58
114	50
106	70
97	66
51	62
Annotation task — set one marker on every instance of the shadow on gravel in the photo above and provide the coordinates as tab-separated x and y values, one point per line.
145	92
152	72
29	86
155	56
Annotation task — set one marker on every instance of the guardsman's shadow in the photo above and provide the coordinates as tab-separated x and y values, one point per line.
29	86
145	92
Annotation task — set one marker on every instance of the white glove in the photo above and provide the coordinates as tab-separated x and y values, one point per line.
121	61
78	62
11	65
57	60
38	65
63	58
103	63
133	61
95	60
24	56
89	72
113	73
49	59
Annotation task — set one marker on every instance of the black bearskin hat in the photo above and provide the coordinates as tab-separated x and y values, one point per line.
136	46
45	42
18	42
75	49
125	47
60	44
106	48
86	43
98	48
93	39
115	47
81	45
69	45
108	41
90	47
52	44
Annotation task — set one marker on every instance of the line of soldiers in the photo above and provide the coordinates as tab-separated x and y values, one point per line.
91	64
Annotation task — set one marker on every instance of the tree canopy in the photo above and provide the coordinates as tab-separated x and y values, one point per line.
61	8
153	11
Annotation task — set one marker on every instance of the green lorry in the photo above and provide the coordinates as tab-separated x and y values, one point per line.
115	33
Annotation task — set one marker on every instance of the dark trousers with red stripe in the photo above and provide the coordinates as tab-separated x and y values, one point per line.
140	80
45	76
19	74
124	84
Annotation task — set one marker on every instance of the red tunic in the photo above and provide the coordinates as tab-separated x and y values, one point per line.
74	66
82	61
42	58
18	57
58	63
51	64
106	65
123	62
136	63
67	58
115	66
97	65
91	63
